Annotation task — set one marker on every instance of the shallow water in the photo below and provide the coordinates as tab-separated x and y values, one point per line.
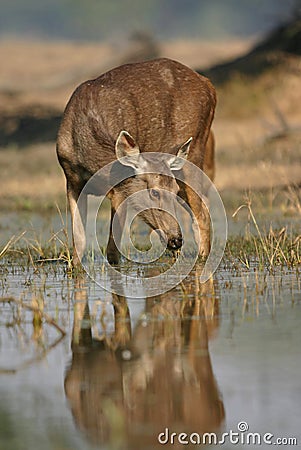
200	358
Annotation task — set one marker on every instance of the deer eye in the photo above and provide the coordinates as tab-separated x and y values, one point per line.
154	193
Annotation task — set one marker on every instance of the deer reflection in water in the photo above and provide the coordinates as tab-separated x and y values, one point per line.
127	388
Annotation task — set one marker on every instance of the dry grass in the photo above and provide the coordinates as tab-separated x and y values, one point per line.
250	112
47	72
10	245
31	178
258	130
272	163
197	53
270	249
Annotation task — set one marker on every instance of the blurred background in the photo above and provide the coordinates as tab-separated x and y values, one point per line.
107	19
251	50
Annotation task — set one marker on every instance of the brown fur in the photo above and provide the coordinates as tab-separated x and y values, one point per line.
161	103
209	159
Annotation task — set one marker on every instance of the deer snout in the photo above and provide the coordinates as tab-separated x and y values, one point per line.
175	243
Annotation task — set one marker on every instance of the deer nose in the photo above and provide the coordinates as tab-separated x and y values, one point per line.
175	243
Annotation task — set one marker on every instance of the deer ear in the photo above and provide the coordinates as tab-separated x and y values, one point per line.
178	161
126	145
128	152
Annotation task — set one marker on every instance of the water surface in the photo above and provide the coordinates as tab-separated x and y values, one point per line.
197	359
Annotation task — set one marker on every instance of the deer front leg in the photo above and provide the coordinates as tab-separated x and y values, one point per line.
114	243
199	207
81	333
78	210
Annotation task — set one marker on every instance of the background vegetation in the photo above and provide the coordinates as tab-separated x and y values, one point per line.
99	19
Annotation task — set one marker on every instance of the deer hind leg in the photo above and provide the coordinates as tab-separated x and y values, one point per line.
209	157
78	210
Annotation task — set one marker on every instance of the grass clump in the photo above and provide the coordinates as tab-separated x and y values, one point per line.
266	249
10	244
262	248
29	250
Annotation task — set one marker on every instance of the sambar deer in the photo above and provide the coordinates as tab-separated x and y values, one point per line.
154	106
